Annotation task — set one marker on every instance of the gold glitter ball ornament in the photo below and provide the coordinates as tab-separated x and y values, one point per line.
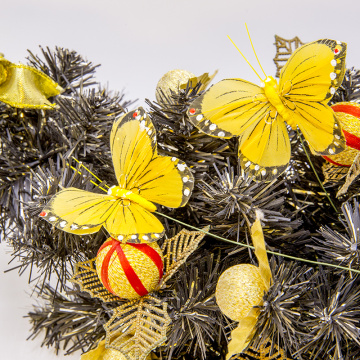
171	82
348	113
129	271
103	353
239	288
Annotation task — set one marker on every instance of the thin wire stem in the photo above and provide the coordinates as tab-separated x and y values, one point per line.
252	247
315	172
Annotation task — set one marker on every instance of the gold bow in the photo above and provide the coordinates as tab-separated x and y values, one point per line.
23	86
241	336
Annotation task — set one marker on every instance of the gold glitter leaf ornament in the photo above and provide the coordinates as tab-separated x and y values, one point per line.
88	279
177	249
145	320
284	49
23	86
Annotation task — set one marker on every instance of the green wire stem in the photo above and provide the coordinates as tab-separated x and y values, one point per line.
315	172
252	247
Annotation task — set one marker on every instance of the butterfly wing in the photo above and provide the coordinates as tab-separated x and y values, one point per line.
130	222
138	167
264	148
307	82
78	211
82	212
320	127
228	108
133	145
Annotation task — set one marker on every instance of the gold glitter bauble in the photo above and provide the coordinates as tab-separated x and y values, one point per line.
171	82
102	353
129	270
239	288
348	113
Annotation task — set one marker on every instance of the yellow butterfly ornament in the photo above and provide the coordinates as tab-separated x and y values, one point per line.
144	178
235	107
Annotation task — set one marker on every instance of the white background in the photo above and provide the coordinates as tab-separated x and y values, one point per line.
137	42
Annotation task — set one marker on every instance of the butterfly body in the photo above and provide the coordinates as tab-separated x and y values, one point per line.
259	115
271	90
144	178
128	196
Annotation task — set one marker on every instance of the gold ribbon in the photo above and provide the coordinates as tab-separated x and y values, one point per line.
23	86
241	336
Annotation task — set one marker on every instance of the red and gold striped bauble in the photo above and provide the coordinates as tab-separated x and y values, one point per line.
129	270
348	114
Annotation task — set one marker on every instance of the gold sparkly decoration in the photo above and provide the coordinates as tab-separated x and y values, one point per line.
177	249
333	173
239	288
174	80
145	320
352	174
170	83
348	113
23	86
242	335
140	325
266	351
129	271
88	279
284	49
102	353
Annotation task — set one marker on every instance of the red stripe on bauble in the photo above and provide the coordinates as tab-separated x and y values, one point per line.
352	140
334	162
347	109
106	262
153	255
134	280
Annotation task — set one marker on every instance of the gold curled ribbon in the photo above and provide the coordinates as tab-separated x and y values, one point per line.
241	336
23	86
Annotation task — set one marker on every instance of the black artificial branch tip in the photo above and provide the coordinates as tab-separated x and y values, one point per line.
176	136
280	318
67	322
331	318
198	326
69	69
52	251
341	247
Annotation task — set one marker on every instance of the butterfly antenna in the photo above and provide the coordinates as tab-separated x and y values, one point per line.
245	58
254	50
88	170
80	173
91	173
